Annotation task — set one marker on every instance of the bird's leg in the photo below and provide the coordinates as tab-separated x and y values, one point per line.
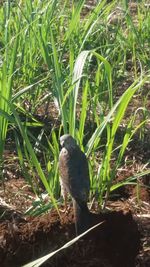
65	203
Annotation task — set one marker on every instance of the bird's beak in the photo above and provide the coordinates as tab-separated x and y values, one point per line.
62	143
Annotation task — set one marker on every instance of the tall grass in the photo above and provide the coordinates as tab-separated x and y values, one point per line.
6	79
53	53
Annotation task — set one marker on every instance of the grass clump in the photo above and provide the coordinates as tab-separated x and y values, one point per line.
77	68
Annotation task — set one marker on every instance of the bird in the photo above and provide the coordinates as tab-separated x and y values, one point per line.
75	180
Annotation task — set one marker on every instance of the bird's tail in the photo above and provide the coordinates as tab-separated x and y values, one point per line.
82	217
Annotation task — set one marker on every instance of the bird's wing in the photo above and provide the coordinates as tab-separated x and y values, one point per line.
79	176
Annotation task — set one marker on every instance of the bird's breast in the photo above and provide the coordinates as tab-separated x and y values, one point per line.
64	163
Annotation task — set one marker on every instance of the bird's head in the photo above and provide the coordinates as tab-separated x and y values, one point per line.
67	141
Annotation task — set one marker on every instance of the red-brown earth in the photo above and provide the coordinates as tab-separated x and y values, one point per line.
123	239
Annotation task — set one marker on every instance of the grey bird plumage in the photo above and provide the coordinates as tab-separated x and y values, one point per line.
75	180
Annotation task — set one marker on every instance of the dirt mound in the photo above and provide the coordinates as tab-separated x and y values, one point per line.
114	243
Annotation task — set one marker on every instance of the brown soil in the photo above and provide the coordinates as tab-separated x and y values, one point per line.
122	240
113	243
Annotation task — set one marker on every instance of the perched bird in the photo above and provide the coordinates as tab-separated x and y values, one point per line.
74	179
